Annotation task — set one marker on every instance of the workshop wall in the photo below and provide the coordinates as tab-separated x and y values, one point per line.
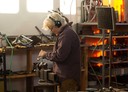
24	23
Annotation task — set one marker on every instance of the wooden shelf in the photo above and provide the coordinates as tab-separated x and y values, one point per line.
15	76
21	76
32	48
29	76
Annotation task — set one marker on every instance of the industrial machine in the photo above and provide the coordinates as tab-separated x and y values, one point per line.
48	80
45	74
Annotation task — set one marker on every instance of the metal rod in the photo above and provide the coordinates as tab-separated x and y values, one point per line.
5	79
103	59
110	57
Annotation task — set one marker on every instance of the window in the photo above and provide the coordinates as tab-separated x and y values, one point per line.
39	5
68	6
9	6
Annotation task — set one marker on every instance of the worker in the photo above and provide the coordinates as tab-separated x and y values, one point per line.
66	52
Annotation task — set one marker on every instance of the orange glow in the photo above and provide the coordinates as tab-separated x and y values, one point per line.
122	11
99	64
114	53
101	43
114	41
95	43
118	6
98	54
96	31
108	31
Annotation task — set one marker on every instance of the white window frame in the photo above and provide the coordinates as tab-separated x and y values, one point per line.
9	6
39	6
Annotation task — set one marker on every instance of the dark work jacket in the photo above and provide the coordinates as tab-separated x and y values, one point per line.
66	54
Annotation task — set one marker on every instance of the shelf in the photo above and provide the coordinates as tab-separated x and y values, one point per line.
100	75
116	62
114	46
21	76
100	36
114	72
88	23
28	52
109	50
95	23
121	24
35	47
15	76
28	76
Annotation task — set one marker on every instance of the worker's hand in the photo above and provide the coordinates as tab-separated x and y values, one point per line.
41	54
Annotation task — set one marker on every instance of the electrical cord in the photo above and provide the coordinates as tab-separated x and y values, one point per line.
95	74
97	45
